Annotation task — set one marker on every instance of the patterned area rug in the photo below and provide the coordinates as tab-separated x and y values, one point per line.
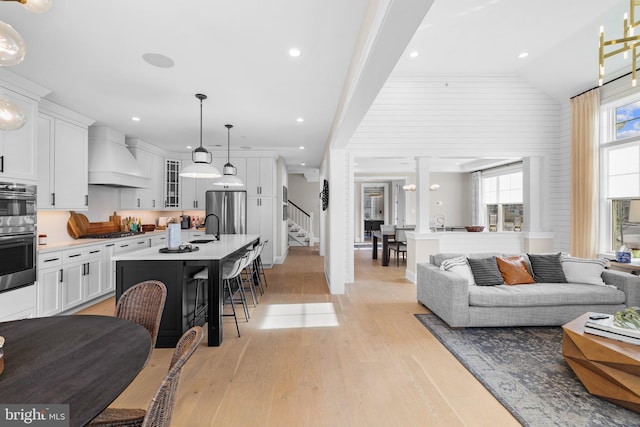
524	369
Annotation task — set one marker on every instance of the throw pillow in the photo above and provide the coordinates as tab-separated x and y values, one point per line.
547	268
582	270
485	271
460	267
514	270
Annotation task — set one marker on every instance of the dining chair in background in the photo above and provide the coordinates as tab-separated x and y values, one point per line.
399	246
160	410
143	304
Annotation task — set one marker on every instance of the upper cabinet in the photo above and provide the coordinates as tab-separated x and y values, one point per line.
152	165
62	158
260	176
18	147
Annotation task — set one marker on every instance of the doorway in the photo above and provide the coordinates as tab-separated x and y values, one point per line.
374	207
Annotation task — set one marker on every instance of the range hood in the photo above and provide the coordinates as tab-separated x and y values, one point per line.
111	163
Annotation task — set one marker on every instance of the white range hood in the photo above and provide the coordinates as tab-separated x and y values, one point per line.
111	163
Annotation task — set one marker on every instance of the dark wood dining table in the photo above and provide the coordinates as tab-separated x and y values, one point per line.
82	361
384	236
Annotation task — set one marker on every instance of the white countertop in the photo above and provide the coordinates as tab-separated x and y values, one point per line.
227	244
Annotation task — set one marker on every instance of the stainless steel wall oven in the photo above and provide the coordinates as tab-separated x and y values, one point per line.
17	235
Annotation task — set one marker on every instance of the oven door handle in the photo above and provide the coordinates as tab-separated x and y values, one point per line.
18	238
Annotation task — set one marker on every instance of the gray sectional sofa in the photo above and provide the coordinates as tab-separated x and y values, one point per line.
450	297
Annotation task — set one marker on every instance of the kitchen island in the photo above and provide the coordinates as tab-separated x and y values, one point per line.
176	270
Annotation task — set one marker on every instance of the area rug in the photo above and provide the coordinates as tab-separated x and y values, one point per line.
524	369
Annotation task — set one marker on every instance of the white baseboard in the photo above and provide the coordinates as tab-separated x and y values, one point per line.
410	276
282	259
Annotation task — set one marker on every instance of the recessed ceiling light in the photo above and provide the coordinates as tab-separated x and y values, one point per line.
135	119
301	147
158	60
295	52
523	55
413	54
299	120
303	164
189	147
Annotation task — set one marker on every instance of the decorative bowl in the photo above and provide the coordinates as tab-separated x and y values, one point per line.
148	227
474	228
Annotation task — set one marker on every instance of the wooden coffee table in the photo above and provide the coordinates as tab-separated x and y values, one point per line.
608	368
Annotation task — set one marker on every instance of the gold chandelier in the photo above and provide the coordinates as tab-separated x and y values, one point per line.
629	43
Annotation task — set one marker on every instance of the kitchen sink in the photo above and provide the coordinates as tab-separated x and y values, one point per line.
202	241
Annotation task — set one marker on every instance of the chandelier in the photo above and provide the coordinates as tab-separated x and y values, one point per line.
626	45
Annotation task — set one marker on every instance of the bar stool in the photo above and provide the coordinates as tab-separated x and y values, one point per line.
260	267
250	274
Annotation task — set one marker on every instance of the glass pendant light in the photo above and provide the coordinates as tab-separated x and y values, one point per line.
229	179
201	166
12	48
11	116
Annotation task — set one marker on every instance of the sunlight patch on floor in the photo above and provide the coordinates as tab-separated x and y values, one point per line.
310	315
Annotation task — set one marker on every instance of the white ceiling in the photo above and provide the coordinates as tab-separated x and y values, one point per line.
90	55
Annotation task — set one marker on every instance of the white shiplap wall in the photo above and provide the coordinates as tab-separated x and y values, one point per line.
560	184
453	116
464	116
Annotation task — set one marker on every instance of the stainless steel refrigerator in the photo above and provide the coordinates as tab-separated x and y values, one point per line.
230	207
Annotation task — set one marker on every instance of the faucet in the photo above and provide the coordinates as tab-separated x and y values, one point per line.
217	235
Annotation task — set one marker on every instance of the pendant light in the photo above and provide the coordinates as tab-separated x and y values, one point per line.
201	166
12	48
229	179
11	116
35	6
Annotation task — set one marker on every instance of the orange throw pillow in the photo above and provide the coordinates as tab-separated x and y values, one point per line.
514	270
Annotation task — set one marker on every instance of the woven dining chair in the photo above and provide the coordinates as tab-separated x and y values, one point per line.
159	412
143	304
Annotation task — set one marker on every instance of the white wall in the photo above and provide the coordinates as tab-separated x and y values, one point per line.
452	199
281	231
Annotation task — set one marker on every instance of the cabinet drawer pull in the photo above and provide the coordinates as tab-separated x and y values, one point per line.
51	259
86	200
138	202
53	199
74	255
1	163
61	275
124	246
109	245
141	243
95	252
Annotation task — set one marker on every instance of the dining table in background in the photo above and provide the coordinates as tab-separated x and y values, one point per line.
80	360
384	236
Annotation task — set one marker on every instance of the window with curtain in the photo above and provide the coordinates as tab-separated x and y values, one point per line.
620	172
502	198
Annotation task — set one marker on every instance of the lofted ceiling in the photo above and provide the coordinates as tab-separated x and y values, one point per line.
486	37
90	54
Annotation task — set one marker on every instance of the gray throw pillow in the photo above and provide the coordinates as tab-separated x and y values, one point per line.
485	271
547	268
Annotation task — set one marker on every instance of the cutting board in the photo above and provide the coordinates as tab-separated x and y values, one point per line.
77	225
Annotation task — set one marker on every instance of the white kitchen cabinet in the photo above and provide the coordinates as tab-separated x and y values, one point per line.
260	217
159	240
108	271
193	190
18	304
260	177
63	177
172	183
49	284
18	147
81	275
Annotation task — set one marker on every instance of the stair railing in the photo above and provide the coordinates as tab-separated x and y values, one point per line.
303	219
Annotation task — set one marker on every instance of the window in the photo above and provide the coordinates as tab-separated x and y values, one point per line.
502	198
620	173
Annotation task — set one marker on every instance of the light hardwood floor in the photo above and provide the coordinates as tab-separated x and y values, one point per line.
378	367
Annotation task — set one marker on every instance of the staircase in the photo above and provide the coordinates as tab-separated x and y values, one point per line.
300	225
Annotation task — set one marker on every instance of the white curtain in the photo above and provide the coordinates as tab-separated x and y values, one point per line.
584	174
